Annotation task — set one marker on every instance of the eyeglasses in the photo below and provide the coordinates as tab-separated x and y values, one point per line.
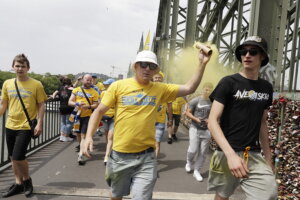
144	65
252	52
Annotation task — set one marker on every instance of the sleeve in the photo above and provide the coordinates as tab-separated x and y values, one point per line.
41	94
75	91
4	94
270	100
222	91
110	96
192	104
170	92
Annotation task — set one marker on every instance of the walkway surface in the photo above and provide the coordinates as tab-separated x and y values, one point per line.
56	174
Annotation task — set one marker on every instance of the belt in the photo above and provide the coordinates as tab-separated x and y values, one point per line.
149	150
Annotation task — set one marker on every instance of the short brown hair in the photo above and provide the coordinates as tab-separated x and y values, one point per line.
21	58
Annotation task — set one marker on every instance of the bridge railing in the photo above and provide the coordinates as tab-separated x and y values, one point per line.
51	130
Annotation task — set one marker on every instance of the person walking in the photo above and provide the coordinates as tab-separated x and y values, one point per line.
18	131
85	99
162	112
132	166
199	136
176	116
238	123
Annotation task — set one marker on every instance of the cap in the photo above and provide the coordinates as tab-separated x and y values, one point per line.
109	81
146	56
255	41
94	75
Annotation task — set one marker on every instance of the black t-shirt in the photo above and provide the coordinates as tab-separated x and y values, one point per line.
64	94
244	102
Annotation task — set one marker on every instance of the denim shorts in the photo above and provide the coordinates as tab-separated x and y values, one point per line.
160	129
133	173
260	185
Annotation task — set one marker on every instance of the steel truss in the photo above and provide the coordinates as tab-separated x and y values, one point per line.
227	23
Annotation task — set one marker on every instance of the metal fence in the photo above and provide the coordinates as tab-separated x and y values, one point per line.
50	132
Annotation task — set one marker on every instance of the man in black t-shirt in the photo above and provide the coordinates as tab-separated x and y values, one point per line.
237	122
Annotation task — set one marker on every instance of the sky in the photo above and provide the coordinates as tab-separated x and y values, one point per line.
73	36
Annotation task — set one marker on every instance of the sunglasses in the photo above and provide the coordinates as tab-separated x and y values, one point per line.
252	52
144	65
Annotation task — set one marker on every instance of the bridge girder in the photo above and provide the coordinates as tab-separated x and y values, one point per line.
227	23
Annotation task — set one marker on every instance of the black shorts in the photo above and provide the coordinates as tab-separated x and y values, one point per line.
84	122
176	119
17	142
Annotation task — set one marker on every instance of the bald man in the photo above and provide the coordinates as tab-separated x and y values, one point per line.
85	100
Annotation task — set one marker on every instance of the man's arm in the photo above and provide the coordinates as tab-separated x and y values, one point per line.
264	139
236	164
41	111
189	114
170	114
72	101
3	106
92	126
194	82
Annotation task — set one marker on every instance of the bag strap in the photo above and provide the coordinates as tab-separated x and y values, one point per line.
85	95
21	100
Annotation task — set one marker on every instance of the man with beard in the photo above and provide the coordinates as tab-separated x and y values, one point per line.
84	99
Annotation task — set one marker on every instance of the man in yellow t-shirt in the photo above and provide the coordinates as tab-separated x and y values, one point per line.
18	133
85	98
176	108
162	111
132	165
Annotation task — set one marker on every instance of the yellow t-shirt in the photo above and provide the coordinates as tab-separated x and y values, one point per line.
177	105
136	110
91	94
100	86
32	93
161	113
111	110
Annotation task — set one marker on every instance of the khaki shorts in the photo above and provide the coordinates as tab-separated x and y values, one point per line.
260	185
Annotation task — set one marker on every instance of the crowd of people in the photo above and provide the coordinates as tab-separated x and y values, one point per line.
134	113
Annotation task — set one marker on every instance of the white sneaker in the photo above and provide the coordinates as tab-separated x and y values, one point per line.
188	168
68	139
62	138
197	175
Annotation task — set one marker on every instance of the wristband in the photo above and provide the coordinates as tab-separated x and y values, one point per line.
77	104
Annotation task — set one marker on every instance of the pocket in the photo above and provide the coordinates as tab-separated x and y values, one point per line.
115	157
218	163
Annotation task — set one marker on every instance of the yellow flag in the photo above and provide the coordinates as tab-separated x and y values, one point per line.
147	42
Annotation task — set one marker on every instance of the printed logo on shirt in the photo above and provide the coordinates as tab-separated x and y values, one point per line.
139	100
23	93
80	94
251	95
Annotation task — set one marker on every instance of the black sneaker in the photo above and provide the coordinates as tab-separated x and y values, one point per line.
28	187
174	137
13	190
170	141
77	148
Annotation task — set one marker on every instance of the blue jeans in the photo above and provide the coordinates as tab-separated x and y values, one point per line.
66	125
